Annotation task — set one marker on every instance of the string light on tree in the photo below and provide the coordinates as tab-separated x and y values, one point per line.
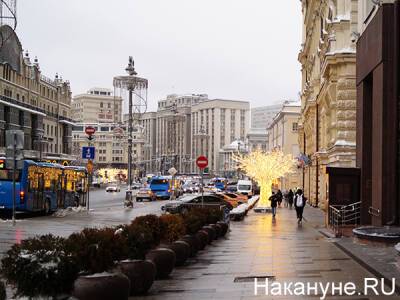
264	167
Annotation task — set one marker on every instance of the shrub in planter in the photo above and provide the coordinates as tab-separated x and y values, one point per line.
40	267
3	295
193	221
164	259
151	222
172	228
224	227
182	252
193	242
139	240
212	235
96	251
203	238
218	230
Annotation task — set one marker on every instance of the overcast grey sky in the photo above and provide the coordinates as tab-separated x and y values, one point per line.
232	49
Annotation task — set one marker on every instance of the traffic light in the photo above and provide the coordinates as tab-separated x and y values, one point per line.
21	197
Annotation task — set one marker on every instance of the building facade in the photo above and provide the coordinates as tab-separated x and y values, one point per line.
98	105
327	131
283	135
261	117
173	127
33	103
378	94
216	124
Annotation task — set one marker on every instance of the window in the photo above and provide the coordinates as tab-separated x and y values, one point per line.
295	126
109	105
101	104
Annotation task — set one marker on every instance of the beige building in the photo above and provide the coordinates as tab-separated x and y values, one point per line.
98	105
283	135
173	128
327	131
223	122
33	103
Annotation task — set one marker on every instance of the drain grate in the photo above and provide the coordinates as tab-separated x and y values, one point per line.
251	278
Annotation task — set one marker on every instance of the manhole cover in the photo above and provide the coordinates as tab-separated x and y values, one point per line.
251	278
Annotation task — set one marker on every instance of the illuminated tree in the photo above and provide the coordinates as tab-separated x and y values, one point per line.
264	167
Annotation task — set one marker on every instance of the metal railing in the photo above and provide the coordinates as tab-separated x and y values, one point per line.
344	215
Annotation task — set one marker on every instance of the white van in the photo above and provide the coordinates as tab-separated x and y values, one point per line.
245	187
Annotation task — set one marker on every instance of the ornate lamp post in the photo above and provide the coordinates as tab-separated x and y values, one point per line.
137	91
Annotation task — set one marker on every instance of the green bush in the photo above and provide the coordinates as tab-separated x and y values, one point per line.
193	221
96	250
139	240
40	266
3	295
172	228
152	223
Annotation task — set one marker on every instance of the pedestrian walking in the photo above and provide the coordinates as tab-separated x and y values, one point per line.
279	197
274	203
299	203
290	198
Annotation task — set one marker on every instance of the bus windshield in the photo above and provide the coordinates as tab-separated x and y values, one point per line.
8	175
159	181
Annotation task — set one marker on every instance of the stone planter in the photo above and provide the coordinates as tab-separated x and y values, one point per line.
224	227
102	286
141	273
182	252
203	238
193	242
164	260
218	229
211	233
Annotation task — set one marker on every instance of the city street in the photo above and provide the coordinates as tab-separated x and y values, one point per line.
262	247
106	209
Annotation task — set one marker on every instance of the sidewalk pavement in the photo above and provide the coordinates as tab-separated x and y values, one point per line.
263	247
380	259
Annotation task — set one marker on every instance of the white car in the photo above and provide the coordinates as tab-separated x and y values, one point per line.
113	188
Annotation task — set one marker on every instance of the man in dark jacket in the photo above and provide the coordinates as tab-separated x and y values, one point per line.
274	203
290	196
299	203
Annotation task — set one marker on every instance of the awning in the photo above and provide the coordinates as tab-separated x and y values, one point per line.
67	122
22	108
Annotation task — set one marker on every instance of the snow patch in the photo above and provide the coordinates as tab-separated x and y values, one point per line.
98	275
60	213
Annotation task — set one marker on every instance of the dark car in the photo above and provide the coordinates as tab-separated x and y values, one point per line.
185	202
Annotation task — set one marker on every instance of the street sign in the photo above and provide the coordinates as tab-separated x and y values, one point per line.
88	152
89	130
172	171
202	162
89	166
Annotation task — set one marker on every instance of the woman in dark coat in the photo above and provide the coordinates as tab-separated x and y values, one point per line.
299	203
279	197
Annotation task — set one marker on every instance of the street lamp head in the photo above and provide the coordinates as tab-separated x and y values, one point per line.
130	69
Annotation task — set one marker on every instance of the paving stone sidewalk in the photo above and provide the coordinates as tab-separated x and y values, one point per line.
379	258
263	247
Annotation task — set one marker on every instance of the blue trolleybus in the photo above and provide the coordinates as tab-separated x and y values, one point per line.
42	186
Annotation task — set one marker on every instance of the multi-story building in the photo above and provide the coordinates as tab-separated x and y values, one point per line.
327	131
110	141
33	103
378	94
99	108
215	124
261	117
148	123
98	105
283	135
173	127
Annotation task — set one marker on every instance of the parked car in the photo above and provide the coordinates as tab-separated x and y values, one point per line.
145	194
179	205
233	199
113	188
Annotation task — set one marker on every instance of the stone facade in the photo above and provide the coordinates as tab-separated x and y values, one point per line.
327	131
283	135
33	103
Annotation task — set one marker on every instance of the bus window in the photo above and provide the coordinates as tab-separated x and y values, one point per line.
8	175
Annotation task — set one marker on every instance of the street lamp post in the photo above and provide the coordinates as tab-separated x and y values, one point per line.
201	135
137	87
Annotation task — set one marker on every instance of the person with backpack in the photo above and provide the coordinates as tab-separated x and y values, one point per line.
299	204
274	203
